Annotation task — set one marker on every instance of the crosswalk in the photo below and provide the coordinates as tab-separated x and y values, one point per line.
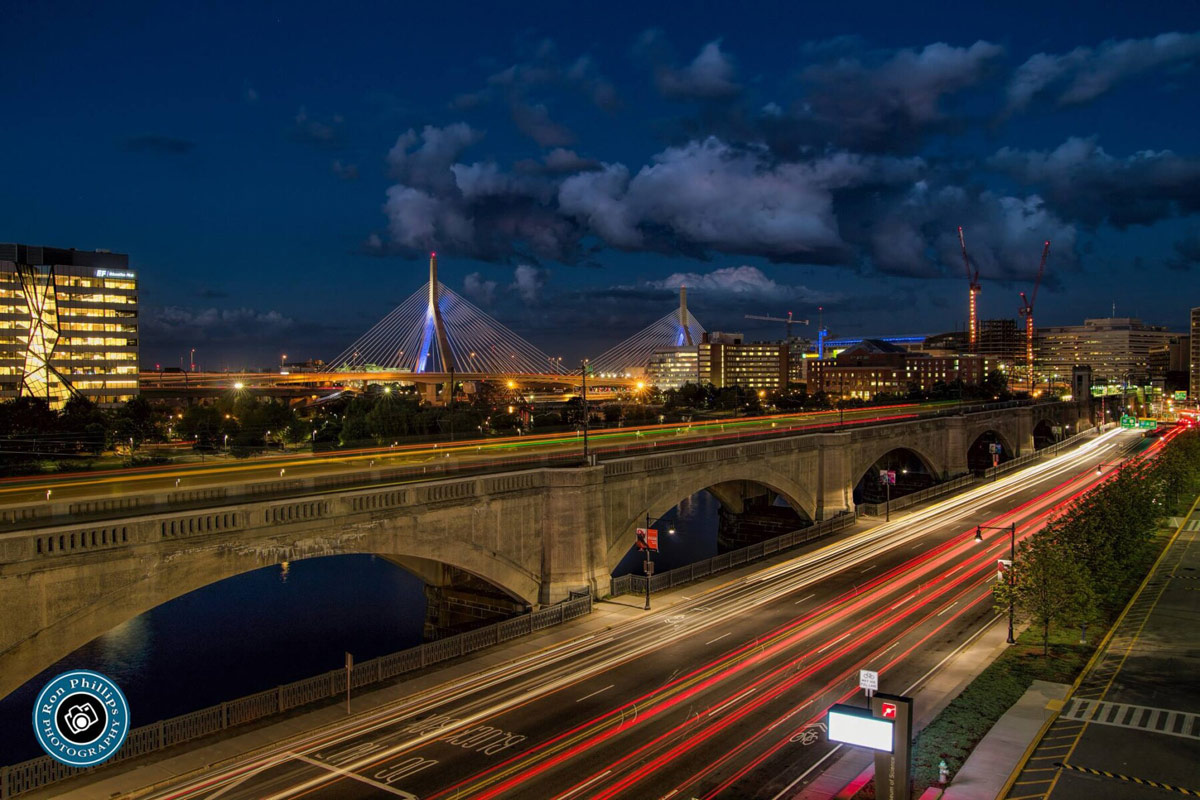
1124	715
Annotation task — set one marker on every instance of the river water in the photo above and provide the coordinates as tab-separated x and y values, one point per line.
280	624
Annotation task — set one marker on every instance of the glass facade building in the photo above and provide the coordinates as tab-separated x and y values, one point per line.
68	325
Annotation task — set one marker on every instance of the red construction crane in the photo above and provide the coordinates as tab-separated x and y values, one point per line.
1027	312
972	308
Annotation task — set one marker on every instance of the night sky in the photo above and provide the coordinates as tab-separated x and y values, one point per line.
279	172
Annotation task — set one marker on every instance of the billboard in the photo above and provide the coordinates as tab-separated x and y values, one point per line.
856	726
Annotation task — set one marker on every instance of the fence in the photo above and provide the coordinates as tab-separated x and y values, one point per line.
636	584
36	773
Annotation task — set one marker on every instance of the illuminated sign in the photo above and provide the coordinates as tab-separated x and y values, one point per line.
856	726
113	273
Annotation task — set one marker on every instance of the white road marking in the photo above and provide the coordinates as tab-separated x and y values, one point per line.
831	644
719	638
583	786
866	569
947	608
347	773
905	600
593	694
802	599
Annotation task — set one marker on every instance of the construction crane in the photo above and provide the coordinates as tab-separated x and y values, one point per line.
822	331
972	307
1026	310
788	320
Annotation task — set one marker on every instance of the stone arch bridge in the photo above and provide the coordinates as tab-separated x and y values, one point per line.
534	534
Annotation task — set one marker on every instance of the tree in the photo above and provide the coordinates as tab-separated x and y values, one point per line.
1050	587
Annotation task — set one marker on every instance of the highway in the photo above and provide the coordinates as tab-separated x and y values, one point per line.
716	695
434	460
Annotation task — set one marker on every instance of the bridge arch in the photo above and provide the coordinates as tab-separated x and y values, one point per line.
872	455
88	607
979	455
799	496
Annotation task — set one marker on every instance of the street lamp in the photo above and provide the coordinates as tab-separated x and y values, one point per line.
1012	560
648	566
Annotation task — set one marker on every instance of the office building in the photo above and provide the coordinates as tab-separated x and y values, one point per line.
68	325
1194	366
1001	341
672	367
1116	348
725	360
875	367
1168	364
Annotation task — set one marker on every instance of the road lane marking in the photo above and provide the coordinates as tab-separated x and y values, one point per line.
905	600
831	644
947	608
583	786
719	638
348	774
866	569
593	694
802	599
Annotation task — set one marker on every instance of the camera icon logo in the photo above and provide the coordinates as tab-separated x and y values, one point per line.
81	718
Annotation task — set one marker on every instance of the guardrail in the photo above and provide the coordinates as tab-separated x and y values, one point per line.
53	512
636	584
39	772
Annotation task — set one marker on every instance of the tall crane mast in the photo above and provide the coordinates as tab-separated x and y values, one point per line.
972	300
788	320
1026	310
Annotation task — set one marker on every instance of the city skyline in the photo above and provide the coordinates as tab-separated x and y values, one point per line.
285	198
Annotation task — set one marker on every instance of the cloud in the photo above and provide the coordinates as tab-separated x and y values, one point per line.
1087	184
916	236
478	289
744	282
709	196
887	104
1085	73
558	161
709	76
528	282
347	172
156	144
533	119
1187	253
206	325
328	133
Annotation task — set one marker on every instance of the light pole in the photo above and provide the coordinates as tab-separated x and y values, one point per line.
1012	561
583	371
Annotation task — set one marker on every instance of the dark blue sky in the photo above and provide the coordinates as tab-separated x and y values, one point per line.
276	172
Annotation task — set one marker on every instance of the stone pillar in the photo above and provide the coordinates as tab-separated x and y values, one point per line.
834	484
574	534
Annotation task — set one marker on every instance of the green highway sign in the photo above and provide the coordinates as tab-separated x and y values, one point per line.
1148	424
1128	421
1179	396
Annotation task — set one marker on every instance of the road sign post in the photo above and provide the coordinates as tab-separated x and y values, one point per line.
868	681
893	769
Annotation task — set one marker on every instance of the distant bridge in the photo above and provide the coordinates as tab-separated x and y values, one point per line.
532	534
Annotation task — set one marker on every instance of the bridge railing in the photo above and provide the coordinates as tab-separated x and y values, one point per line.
54	512
636	584
40	772
928	493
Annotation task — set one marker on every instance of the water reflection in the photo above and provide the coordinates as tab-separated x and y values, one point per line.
695	523
239	636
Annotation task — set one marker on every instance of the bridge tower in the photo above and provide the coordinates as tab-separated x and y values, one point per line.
685	334
435	329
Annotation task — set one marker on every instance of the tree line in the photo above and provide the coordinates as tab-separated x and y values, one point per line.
1080	567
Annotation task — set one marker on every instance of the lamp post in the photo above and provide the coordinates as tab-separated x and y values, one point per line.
1012	561
583	370
648	565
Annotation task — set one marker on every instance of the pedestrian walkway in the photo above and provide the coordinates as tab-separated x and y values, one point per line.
1131	729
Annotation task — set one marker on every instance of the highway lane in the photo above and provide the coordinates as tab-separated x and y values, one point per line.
710	693
470	454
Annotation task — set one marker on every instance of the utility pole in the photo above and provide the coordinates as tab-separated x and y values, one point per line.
583	367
